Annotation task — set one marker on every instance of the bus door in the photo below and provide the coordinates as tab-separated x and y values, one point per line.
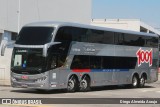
59	74
54	70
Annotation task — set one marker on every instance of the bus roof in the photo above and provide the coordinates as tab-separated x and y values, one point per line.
59	24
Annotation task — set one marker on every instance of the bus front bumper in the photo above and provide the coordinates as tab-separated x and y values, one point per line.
39	81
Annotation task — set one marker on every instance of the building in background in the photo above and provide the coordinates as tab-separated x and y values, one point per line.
16	13
125	24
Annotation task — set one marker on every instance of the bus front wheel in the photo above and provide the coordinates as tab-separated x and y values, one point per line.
72	84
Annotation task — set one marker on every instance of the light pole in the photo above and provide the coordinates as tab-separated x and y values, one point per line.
18	12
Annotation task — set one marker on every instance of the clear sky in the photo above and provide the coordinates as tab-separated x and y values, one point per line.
146	10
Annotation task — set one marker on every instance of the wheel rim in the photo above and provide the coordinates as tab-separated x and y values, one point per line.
71	84
142	81
84	84
135	81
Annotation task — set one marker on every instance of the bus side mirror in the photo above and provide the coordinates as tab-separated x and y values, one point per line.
45	50
3	49
46	46
4	45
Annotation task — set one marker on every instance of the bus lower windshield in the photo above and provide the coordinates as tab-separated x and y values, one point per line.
27	58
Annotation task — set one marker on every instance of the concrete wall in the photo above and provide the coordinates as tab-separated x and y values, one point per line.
125	24
5	60
40	10
5	67
0	38
131	24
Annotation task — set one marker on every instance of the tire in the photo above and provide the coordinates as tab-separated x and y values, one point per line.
135	81
85	84
142	81
72	84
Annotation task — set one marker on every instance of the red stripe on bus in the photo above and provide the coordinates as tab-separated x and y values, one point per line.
81	70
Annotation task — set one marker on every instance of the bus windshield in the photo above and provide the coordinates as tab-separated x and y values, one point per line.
27	58
35	35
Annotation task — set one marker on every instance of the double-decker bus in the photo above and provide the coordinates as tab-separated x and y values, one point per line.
63	55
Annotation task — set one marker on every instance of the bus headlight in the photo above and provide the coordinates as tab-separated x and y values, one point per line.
41	79
13	79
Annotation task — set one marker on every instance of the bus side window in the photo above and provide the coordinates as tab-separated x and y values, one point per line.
75	63
80	62
79	34
61	60
53	62
57	61
119	39
95	62
96	36
64	34
108	37
151	41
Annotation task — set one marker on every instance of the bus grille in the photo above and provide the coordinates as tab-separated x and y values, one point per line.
26	81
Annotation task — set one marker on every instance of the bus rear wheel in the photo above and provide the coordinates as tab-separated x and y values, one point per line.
72	84
85	84
142	81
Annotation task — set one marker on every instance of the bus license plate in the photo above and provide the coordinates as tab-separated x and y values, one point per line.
24	86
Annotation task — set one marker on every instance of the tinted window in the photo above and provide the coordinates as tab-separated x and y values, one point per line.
134	40
71	34
125	62
35	35
99	36
80	62
79	34
28	61
64	34
119	38
108	62
111	62
108	37
104	37
151	41
55	61
27	58
103	62
95	62
95	36
84	35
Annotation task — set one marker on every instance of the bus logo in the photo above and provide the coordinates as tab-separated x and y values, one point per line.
24	77
144	57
